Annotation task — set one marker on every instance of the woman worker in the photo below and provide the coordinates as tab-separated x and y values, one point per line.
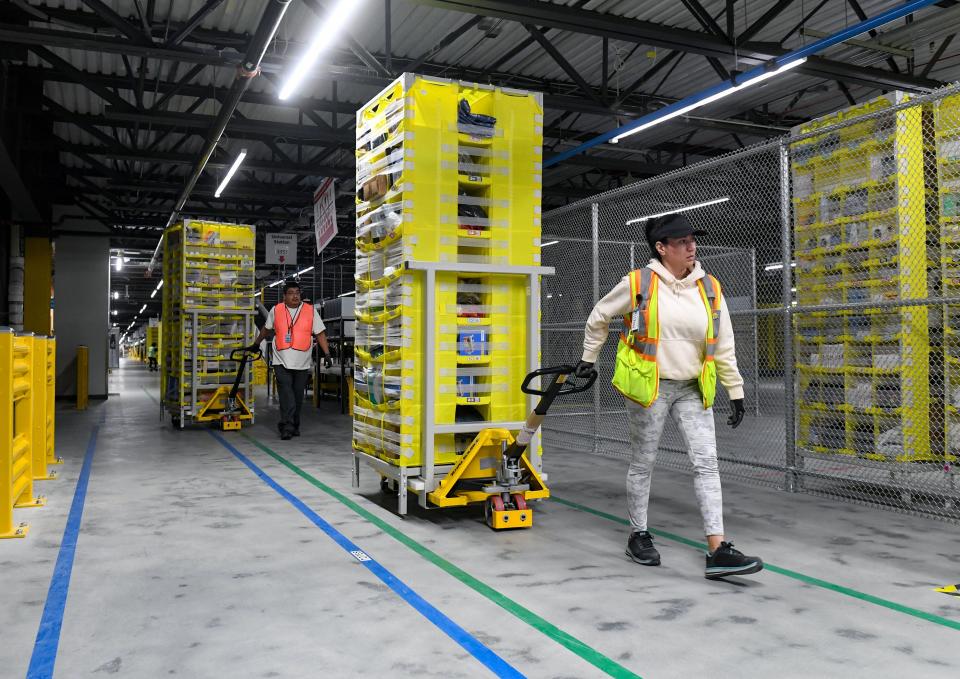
678	339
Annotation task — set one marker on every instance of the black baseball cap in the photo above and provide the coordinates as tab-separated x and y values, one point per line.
671	226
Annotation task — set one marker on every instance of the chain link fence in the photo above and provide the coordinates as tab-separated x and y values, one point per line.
838	249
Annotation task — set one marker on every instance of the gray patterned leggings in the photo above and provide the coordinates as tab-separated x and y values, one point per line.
681	401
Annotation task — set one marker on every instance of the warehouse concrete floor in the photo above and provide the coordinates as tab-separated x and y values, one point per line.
201	555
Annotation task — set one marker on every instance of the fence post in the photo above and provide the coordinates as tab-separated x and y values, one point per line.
83	366
791	478
595	266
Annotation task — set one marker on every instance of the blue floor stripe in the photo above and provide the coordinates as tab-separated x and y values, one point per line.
493	661
48	635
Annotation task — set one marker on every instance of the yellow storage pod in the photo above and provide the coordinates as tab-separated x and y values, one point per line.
861	238
449	176
208	308
947	136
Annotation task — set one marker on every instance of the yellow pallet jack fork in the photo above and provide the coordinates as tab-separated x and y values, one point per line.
495	470
234	411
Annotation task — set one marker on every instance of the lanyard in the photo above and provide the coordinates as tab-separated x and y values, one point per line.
293	318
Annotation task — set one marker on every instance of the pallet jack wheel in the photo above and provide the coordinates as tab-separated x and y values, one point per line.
519	501
388	486
493	503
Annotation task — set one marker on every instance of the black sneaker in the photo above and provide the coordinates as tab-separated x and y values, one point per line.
286	435
640	548
728	561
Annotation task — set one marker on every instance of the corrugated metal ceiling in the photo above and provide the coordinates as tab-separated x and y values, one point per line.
415	28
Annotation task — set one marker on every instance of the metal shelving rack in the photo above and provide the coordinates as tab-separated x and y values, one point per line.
340	321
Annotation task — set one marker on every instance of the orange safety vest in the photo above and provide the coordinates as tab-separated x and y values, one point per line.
302	335
636	374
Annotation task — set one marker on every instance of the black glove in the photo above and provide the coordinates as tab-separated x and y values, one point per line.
327	362
583	369
738	410
253	348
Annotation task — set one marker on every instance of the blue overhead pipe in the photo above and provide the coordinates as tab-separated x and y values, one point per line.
771	65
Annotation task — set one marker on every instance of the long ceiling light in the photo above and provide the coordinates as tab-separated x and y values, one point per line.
338	15
679	209
681	110
348	294
303	271
233	169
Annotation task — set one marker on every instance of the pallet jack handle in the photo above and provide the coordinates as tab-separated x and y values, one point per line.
245	355
554	388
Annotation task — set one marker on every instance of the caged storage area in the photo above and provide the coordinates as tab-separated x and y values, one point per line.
845	301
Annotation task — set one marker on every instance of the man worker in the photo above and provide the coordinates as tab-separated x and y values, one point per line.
152	356
294	326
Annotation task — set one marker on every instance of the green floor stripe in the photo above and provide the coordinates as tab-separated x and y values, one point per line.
527	616
817	582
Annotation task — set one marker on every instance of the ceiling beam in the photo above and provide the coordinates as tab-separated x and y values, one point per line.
179	159
649	33
106	13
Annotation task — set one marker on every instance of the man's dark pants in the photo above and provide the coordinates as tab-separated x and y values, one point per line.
290	387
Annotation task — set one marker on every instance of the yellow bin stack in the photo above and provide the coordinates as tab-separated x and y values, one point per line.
448	265
208	275
861	237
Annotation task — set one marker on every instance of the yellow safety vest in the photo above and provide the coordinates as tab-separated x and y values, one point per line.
636	374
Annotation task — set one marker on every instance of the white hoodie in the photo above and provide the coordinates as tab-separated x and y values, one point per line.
683	328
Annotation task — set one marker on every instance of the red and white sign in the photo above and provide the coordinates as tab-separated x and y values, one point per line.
324	214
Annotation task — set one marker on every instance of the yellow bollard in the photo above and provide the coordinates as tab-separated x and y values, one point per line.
83	370
38	432
52	402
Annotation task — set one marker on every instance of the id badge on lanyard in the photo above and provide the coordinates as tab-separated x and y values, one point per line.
293	320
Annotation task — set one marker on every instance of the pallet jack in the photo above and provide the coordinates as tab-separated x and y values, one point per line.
495	470
234	410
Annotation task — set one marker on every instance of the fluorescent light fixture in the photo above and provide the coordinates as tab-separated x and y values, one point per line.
257	294
776	266
160	284
679	209
116	295
328	31
347	294
230	173
275	283
118	262
153	294
142	309
553	242
712	98
114	312
303	271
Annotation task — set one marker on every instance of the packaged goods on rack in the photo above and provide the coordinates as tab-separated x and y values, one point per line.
947	142
862	237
